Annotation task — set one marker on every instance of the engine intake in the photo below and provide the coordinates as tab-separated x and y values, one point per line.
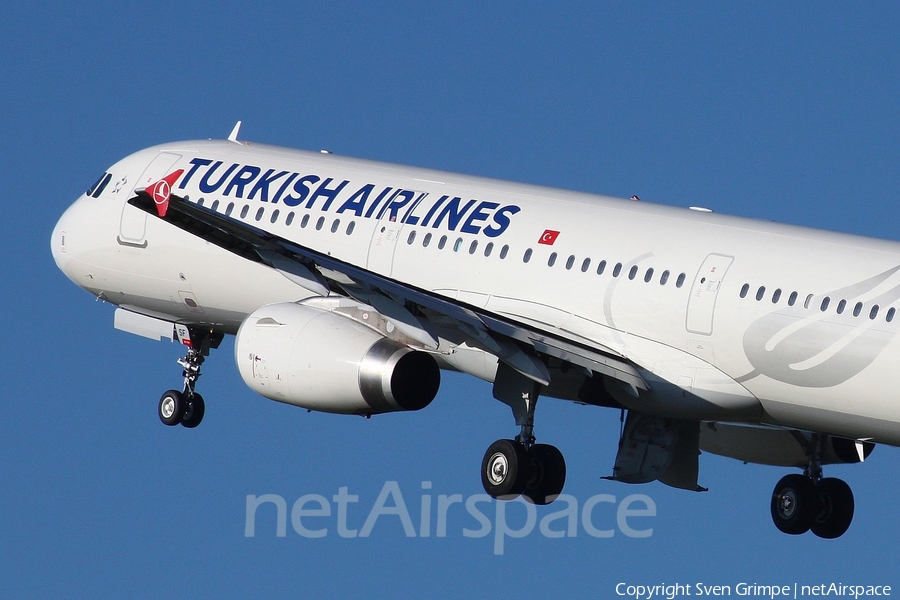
319	360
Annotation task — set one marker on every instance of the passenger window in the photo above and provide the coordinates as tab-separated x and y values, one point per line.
527	256
776	296
857	309
244	211
601	267
504	251
426	240
199	202
744	289
350	227
807	301
442	242
874	312
488	249
570	263
617	269
792	298
457	245
215	207
304	221
841	305
648	275
552	260
680	281
320	223
664	278
259	213
760	292
411	238
290	218
890	315
825	302
337	224
473	246
632	272
585	265
274	216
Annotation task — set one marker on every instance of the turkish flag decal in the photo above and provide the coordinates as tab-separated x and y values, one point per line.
548	237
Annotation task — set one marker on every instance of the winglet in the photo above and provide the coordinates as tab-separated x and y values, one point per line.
235	132
161	191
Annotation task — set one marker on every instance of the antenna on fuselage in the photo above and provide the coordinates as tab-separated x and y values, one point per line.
234	133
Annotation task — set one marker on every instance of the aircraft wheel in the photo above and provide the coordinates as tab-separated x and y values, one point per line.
171	407
193	411
794	504
834	509
504	469
547	474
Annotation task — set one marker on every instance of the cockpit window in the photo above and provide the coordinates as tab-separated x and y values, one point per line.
97	189
95	186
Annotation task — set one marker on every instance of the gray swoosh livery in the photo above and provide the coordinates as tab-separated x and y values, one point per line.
822	351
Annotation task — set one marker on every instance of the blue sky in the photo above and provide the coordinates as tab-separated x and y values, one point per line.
772	110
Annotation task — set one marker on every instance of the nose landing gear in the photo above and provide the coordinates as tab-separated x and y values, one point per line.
187	406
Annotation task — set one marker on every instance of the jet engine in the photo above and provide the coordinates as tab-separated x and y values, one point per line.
323	361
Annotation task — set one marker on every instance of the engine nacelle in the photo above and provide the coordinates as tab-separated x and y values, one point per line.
323	361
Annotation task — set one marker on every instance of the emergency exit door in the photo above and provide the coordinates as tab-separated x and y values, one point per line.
702	303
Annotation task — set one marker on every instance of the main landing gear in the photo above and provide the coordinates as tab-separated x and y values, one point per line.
807	502
511	468
187	406
520	466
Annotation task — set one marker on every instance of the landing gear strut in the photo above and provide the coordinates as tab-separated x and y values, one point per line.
807	502
520	466
187	406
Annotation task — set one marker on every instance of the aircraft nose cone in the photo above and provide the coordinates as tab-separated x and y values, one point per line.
61	242
58	242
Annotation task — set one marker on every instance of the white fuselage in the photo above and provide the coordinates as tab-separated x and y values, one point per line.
679	293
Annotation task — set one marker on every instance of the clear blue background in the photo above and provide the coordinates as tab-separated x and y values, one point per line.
780	111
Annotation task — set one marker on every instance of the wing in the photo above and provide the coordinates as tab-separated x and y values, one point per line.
419	313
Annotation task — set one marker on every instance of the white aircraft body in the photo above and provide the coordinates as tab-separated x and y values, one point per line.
350	284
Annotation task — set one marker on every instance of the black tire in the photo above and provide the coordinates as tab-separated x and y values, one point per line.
548	474
834	510
794	504
193	411
504	469
171	408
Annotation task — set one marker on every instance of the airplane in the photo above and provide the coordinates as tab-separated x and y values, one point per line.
349	285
